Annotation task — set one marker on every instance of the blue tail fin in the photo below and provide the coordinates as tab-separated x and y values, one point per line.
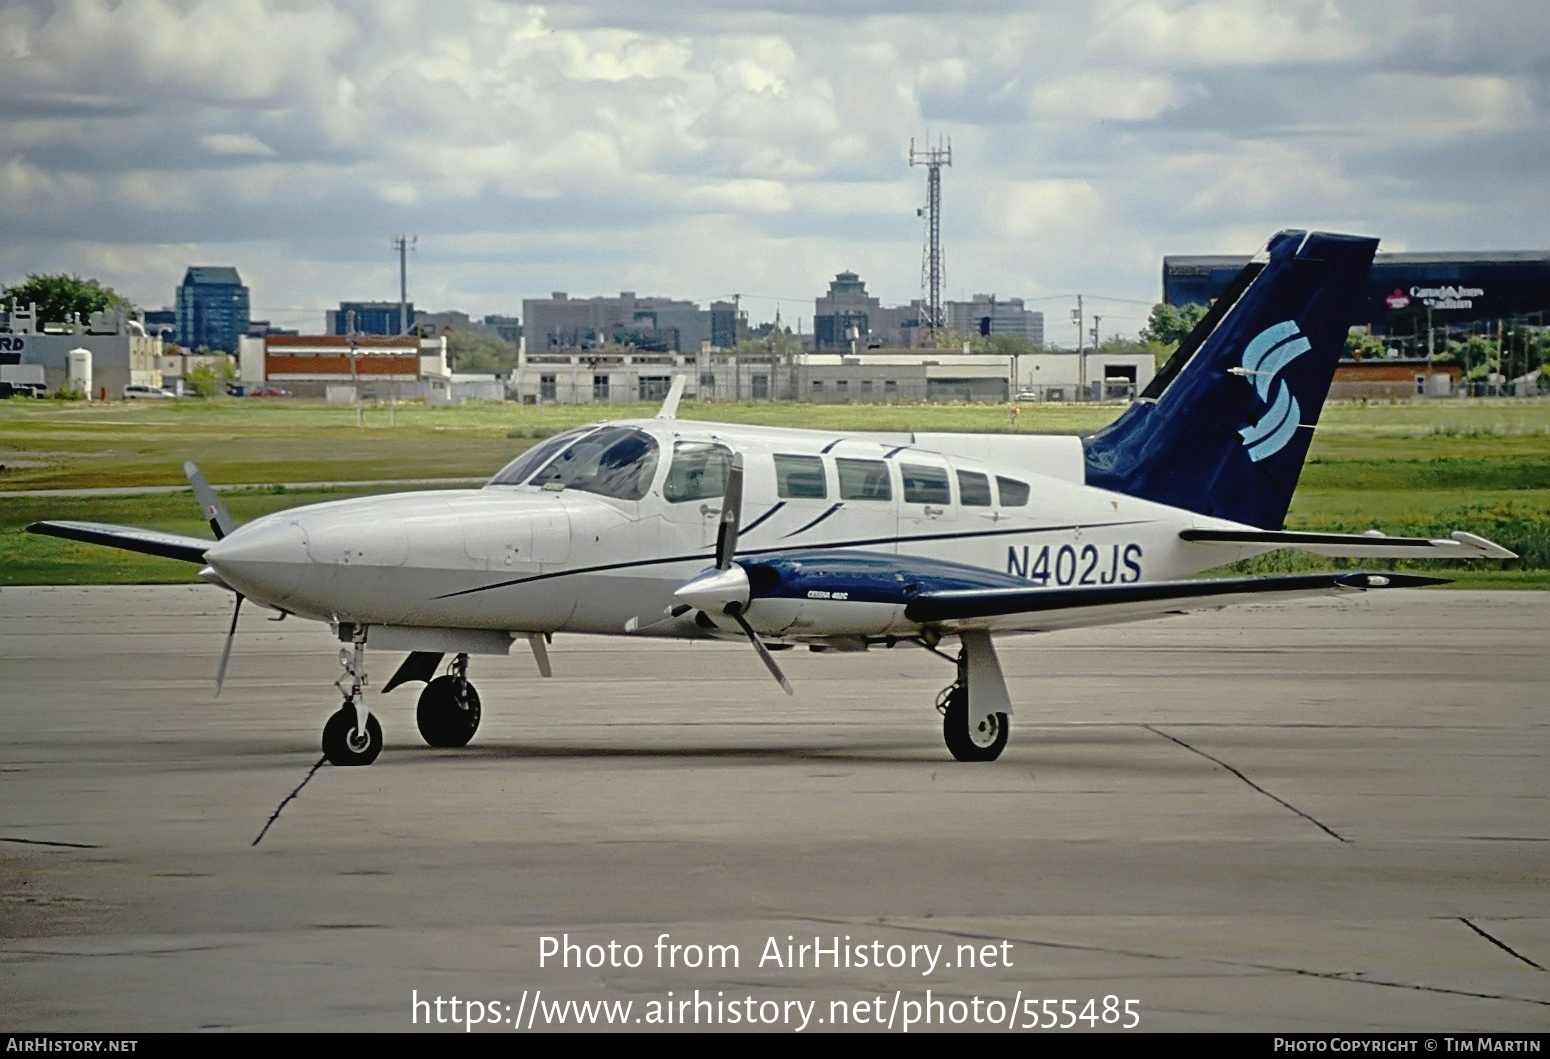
1224	427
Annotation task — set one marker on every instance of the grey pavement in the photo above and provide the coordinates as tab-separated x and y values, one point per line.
1328	816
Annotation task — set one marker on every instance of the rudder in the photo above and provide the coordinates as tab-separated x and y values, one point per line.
1224	428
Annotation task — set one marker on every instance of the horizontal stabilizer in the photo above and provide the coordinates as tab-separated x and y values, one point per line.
1046	609
1459	545
129	538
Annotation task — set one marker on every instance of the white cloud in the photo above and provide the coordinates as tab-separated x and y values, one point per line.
694	149
236	143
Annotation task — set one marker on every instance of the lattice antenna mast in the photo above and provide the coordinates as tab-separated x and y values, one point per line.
932	267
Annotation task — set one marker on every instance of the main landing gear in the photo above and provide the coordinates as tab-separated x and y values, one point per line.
448	711
975	707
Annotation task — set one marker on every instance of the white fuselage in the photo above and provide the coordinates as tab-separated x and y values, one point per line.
525	558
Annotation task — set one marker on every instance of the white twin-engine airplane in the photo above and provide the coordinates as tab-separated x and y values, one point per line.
665	527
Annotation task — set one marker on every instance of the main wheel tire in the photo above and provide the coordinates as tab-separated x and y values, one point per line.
344	745
448	712
982	742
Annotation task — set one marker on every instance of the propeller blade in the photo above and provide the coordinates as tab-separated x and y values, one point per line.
220	522
231	635
731	514
736	615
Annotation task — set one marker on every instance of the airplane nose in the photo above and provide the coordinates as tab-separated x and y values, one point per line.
265	559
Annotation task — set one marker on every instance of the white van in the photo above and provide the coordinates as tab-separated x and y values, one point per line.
139	391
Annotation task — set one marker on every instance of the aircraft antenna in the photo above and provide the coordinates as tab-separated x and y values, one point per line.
932	266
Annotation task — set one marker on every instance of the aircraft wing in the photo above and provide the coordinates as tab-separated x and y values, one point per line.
1046	609
1373	545
129	538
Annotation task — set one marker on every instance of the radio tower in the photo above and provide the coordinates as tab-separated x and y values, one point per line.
931	266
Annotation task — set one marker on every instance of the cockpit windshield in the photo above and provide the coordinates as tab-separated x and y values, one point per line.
521	469
614	461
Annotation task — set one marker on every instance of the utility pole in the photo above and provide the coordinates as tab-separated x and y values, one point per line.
1081	354
355	385
403	244
932	267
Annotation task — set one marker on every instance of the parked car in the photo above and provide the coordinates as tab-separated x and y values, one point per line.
269	391
23	389
136	391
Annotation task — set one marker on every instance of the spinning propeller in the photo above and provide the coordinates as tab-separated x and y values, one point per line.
220	524
724	589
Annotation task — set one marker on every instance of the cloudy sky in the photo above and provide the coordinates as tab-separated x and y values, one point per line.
694	149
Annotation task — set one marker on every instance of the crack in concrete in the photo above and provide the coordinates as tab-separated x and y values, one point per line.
288	799
46	842
1354	977
1218	761
1508	949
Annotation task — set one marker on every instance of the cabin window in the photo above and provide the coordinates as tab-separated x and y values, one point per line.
521	469
699	472
973	489
800	478
925	485
615	461
1013	492
864	480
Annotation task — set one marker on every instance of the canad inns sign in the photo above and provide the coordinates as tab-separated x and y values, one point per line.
1447	297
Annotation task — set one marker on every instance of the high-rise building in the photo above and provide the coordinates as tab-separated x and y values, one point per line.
985	314
212	308
368	318
645	322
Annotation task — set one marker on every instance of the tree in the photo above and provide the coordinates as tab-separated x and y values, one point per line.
60	296
1003	345
776	343
1362	346
209	377
470	351
1170	325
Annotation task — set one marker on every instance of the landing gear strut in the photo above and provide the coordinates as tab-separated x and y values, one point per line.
352	735
976	730
448	710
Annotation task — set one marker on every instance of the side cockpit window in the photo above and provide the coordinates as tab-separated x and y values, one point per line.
615	461
698	472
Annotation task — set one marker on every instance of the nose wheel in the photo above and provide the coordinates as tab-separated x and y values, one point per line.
346	743
352	735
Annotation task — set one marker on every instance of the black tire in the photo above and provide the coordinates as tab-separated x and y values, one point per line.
342	746
448	712
982	743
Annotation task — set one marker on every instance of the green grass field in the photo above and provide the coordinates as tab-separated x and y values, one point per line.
1405	468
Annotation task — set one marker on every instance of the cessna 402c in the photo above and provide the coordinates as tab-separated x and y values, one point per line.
670	528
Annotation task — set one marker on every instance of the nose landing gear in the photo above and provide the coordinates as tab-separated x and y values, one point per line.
352	735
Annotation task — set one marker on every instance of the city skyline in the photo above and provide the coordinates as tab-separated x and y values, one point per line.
696	153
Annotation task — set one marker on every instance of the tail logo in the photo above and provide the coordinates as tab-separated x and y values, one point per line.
1271	350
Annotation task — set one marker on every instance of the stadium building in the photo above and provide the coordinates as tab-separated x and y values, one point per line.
1410	296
